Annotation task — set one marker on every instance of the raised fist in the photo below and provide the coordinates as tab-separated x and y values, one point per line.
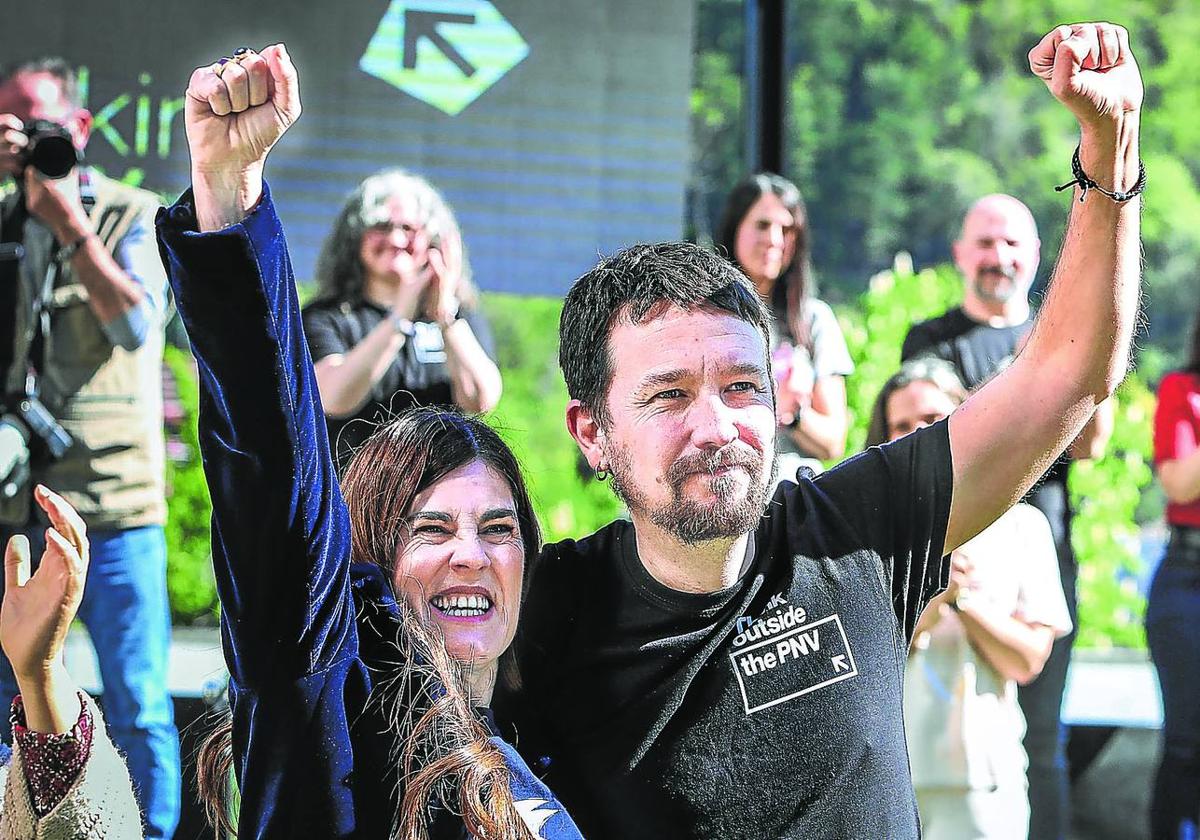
236	111
1090	69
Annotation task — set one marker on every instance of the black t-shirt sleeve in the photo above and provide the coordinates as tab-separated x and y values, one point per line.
897	498
321	331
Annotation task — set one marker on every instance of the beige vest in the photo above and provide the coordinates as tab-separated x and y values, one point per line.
108	399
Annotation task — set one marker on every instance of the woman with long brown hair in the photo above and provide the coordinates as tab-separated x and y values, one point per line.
364	634
764	230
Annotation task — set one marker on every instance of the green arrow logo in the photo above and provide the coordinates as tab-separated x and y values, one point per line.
443	52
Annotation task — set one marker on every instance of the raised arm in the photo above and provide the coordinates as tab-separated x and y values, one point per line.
280	531
1012	429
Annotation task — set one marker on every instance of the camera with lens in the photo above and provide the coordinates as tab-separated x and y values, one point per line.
50	151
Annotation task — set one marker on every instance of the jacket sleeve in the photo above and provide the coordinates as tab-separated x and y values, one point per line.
280	530
99	804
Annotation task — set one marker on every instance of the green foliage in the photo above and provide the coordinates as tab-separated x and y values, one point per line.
190	582
530	417
875	328
1106	493
902	112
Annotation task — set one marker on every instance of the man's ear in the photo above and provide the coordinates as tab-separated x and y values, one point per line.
586	430
80	126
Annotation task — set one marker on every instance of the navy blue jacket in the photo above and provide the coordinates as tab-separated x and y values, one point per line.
306	632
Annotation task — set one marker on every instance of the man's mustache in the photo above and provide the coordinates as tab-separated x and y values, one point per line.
1008	272
710	462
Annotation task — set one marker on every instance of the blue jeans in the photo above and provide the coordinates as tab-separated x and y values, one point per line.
126	613
1172	616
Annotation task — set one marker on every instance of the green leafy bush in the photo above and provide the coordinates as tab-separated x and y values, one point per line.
530	416
190	582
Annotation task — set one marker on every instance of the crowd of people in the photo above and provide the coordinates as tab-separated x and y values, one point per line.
761	649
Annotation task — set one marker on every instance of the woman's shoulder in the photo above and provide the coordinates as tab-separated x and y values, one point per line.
536	804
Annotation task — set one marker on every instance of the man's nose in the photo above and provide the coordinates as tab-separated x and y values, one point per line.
712	423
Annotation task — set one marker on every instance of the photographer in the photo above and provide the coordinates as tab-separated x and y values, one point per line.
82	304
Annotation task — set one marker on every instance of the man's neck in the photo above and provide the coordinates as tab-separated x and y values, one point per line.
697	568
1007	313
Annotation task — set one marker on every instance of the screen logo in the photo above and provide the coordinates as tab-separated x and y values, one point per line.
446	53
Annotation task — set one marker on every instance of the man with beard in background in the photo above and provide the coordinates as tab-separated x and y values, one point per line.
998	254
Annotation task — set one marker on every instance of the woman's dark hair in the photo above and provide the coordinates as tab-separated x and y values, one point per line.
1193	362
936	372
442	751
340	274
794	284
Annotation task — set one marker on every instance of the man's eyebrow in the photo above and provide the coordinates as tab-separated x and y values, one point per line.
747	369
666	377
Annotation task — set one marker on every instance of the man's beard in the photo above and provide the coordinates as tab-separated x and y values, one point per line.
731	514
1001	291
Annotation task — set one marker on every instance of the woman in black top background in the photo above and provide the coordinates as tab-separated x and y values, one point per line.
395	322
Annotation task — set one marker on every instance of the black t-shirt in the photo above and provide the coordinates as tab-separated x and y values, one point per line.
769	709
418	376
979	351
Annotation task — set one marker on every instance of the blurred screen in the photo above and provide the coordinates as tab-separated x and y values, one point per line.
557	129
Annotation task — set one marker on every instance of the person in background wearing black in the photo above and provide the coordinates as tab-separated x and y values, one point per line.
1173	608
81	341
729	664
998	253
396	320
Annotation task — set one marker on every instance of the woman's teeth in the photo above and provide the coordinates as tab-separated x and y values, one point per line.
462	606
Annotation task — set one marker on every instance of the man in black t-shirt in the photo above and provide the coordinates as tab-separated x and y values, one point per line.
997	253
728	665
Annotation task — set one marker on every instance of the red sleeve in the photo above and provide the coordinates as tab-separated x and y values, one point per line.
1176	417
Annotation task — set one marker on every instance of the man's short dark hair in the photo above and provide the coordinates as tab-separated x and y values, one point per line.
52	64
635	284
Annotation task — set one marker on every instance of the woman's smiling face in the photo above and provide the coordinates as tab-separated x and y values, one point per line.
461	561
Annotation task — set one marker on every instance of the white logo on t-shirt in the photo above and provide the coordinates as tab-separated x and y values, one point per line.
780	657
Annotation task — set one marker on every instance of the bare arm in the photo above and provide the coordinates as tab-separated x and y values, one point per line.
1180	478
474	378
1017	649
1012	429
345	380
1093	440
822	426
111	291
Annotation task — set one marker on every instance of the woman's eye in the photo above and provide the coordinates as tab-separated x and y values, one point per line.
499	530
671	394
432	530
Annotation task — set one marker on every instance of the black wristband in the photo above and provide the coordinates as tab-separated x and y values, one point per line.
1087	183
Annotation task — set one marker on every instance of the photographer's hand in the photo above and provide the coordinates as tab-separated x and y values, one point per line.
57	203
12	143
